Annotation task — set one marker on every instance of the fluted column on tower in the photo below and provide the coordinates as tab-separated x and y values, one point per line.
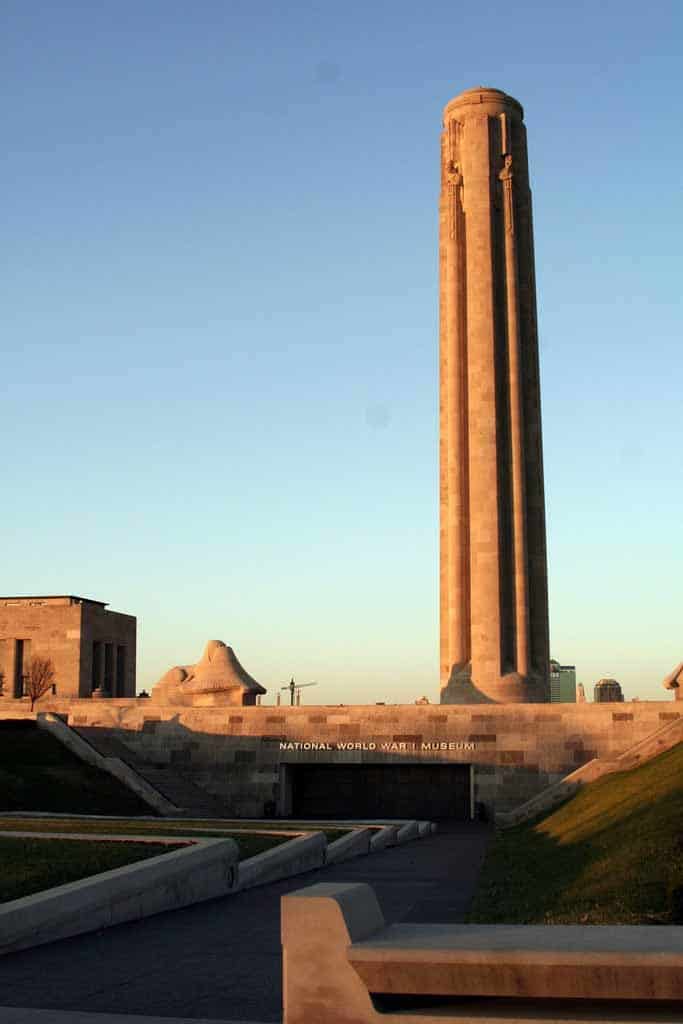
494	604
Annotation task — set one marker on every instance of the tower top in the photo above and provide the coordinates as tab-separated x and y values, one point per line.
483	100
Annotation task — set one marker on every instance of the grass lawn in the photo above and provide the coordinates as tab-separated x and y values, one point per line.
249	843
30	865
612	854
162	827
38	774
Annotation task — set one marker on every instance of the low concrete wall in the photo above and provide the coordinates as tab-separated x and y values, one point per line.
112	765
353	844
172	880
292	858
663	739
552	796
408	831
11	712
337	950
383	837
204	869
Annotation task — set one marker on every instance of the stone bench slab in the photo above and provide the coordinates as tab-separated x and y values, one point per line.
343	965
514	961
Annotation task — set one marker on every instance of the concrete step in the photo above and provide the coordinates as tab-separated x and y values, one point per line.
191	799
108	745
181	791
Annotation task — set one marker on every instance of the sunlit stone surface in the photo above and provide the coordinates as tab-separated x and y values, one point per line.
494	603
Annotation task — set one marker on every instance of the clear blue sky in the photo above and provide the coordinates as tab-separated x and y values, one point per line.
219	386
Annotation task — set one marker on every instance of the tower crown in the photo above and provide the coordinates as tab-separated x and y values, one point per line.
482	100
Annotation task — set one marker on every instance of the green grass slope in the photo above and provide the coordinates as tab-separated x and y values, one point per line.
612	854
38	774
31	865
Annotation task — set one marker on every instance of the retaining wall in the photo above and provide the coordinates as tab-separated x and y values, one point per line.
167	882
235	754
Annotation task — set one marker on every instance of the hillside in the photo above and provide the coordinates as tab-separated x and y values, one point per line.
612	854
38	774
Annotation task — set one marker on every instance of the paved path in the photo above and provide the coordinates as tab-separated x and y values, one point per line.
10	1015
221	959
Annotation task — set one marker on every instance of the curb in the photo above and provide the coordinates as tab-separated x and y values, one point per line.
284	861
383	838
204	869
353	844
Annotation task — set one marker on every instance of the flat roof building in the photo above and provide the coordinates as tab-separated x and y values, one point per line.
93	650
562	683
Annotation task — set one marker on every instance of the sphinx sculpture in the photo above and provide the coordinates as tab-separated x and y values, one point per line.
674	681
216	679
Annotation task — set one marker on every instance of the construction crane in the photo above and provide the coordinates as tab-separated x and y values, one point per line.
294	690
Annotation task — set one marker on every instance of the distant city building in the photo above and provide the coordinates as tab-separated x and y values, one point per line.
562	683
92	649
607	691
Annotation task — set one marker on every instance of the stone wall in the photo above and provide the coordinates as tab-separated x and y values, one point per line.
117	632
69	631
237	754
49	628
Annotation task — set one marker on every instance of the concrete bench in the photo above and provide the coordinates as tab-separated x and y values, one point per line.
343	965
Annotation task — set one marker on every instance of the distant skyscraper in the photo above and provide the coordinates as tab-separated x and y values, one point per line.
562	683
607	691
494	600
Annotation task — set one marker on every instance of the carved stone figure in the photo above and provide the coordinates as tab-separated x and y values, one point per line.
674	681
453	173
216	679
506	173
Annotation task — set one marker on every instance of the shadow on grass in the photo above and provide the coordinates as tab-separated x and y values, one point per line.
624	867
37	773
32	865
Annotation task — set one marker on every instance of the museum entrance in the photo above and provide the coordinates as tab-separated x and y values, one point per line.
361	791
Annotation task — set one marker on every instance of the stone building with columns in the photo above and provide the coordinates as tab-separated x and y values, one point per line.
92	649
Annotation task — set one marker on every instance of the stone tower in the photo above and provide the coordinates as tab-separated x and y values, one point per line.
494	594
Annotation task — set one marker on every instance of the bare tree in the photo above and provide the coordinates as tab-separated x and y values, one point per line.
2	682
39	678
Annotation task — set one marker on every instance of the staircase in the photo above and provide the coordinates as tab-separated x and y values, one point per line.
656	743
189	799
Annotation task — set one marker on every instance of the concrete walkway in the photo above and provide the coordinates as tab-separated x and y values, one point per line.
10	1015
221	959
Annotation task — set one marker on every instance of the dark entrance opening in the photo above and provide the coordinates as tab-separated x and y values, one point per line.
426	791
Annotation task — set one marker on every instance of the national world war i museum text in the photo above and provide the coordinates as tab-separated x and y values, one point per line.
494	595
495	740
92	649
